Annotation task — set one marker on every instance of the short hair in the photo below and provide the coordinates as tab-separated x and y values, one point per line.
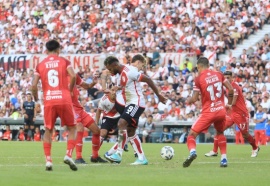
203	61
138	57
52	45
228	73
109	60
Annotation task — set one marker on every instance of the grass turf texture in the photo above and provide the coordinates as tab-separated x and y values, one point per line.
22	163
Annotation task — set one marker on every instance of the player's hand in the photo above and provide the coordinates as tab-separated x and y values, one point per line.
34	119
106	91
95	78
162	99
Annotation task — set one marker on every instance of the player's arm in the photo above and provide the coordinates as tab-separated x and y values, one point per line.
146	79
72	76
88	85
34	86
98	114
228	85
104	78
194	97
35	112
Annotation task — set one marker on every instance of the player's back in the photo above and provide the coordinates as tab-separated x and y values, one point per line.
108	107
240	105
210	84
54	77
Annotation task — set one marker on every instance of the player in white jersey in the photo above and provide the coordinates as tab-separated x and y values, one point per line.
110	116
134	105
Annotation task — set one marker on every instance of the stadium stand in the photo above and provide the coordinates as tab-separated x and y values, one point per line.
203	27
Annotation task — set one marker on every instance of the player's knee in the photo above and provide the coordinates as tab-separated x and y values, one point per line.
193	133
122	124
80	127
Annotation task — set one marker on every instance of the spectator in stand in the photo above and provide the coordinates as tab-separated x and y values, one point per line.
260	119
166	136
7	135
148	128
20	135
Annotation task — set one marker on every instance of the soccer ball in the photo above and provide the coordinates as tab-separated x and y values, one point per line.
167	152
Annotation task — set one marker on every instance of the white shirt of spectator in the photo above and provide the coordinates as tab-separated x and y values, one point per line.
132	90
265	104
107	106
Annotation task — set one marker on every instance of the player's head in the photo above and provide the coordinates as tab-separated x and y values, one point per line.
228	75
139	61
53	46
112	64
112	94
202	64
29	96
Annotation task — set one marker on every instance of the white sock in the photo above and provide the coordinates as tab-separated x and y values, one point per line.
113	149
192	150
122	140
223	156
137	146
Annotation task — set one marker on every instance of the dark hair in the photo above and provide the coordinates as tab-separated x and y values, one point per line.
138	57
203	61
109	60
52	45
229	73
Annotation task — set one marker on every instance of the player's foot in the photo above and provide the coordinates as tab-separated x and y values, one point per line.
224	163
98	160
80	161
190	159
140	162
114	158
254	153
49	166
69	161
126	148
211	153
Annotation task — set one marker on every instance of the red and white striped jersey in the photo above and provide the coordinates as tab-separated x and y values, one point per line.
130	82
107	107
119	93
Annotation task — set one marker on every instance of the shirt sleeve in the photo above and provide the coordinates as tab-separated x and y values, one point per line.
135	75
196	85
100	105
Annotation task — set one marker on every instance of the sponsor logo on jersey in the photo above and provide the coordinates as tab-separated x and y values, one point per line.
53	97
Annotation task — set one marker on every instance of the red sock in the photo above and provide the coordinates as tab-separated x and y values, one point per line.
191	142
70	146
47	151
252	142
95	145
222	144
79	145
215	148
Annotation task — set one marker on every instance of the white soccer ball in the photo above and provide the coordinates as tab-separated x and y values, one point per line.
167	152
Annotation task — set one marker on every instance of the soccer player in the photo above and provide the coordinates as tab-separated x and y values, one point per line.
57	91
134	106
238	114
29	114
260	120
210	85
106	106
85	120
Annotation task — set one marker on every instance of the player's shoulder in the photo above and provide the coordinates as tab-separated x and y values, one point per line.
104	98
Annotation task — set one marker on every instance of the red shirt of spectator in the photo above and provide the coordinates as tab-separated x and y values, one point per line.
21	136
92	18
7	135
37	136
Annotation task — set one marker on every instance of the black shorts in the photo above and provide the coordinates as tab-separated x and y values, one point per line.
119	108
29	121
109	123
131	114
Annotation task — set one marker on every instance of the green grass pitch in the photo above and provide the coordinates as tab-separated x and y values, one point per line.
22	163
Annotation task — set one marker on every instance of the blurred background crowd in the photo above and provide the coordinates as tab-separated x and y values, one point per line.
199	27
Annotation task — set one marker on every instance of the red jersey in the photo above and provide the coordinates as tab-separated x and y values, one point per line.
240	105
54	77
37	137
210	84
76	93
21	137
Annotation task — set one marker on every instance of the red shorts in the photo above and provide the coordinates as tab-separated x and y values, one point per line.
240	120
82	117
64	112
206	119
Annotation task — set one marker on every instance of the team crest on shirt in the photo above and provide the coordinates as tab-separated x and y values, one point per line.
103	121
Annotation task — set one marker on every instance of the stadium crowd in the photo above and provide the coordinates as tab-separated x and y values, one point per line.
207	28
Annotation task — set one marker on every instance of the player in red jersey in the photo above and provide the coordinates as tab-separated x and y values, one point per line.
210	85
238	115
85	120
53	72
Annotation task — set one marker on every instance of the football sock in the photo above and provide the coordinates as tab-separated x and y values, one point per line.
191	143
113	149
70	146
223	156
222	144
252	142
79	144
215	148
137	146
47	151
122	139
95	145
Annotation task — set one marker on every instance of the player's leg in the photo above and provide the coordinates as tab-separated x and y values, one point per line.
66	114
256	135
219	124
89	123
263	137
49	120
242	141
237	137
79	143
